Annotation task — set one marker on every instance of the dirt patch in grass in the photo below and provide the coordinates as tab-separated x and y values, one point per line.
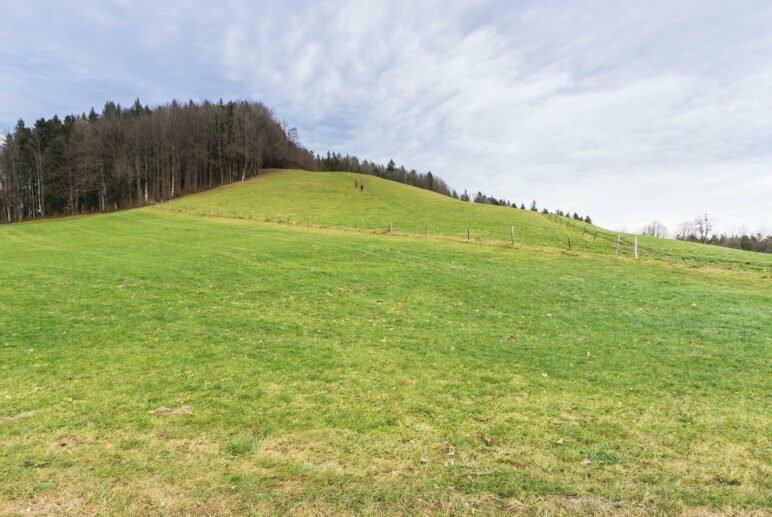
67	442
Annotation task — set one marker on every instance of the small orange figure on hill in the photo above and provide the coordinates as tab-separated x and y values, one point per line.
356	183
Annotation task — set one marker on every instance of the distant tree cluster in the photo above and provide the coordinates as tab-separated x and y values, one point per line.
754	242
587	219
654	229
701	230
128	157
490	200
427	181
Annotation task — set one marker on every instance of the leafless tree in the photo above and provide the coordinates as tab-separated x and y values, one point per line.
654	229
684	231
703	225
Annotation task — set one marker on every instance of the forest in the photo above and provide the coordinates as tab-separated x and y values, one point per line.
128	157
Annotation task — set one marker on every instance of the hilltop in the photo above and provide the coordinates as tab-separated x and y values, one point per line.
329	199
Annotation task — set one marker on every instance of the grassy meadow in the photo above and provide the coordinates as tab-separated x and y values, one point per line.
164	362
330	200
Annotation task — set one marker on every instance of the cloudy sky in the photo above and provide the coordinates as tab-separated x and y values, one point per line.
629	111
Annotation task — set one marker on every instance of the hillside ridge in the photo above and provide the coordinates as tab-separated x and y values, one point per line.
329	199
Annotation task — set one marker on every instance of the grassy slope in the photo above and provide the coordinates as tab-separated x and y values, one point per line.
330	200
329	371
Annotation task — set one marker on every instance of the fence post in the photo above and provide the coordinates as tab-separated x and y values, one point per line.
569	243
595	237
513	234
468	233
616	252
389	227
426	228
636	246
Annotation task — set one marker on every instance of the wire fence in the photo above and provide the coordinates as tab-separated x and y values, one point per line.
580	236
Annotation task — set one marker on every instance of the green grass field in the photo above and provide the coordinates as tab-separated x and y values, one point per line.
330	200
164	362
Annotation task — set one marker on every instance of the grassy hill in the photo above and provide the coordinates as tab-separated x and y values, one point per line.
159	362
330	200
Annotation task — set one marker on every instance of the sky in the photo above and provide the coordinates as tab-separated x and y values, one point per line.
628	111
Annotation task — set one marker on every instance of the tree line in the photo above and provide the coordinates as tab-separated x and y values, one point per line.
700	229
428	181
123	158
128	157
490	200
390	171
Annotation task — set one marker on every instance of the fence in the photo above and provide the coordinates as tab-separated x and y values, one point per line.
586	237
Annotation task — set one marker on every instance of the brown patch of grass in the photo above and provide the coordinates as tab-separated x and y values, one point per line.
582	505
705	512
26	414
47	504
67	442
165	411
301	451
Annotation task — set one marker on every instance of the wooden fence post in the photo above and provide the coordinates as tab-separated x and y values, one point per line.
616	252
389	227
636	246
513	234
569	243
468	233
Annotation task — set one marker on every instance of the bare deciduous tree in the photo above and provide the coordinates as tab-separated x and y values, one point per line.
703	226
684	231
654	229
